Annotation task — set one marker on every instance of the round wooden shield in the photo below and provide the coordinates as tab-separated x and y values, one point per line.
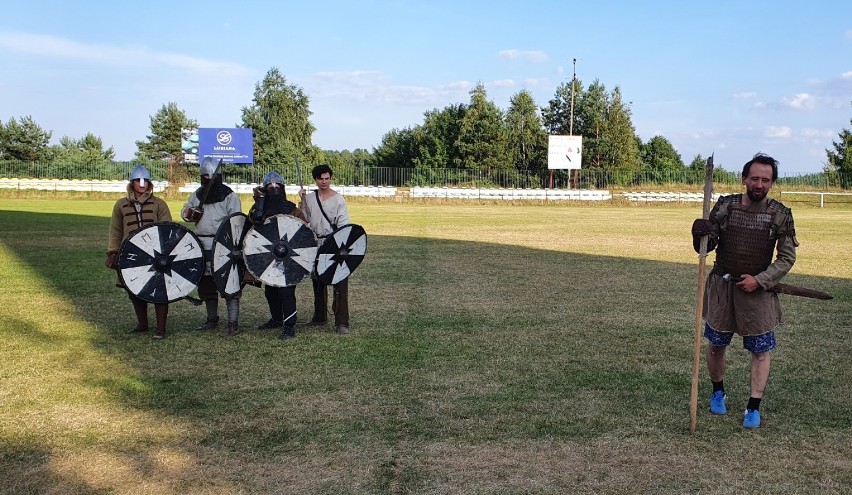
281	251
161	262
340	253
228	267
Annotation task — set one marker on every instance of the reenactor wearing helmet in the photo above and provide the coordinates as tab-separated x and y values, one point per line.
134	211
271	199
208	207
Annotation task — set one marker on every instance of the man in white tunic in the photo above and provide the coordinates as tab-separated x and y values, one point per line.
209	206
326	211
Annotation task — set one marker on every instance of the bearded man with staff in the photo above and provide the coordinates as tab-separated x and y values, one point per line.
746	230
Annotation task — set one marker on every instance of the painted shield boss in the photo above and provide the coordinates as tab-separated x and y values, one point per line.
161	262
281	251
228	267
340	253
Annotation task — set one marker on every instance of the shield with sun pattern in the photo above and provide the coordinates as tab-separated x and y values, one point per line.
161	262
227	264
340	254
281	251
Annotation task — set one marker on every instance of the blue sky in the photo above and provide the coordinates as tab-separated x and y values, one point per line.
727	77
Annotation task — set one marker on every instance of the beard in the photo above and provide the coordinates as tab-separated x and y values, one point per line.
754	196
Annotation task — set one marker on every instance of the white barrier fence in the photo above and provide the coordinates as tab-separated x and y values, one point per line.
821	195
510	194
120	186
292	190
668	196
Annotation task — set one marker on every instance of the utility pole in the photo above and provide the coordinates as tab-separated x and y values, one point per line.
573	82
571	123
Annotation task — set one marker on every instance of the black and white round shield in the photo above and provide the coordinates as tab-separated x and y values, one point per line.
228	267
281	251
340	253
161	262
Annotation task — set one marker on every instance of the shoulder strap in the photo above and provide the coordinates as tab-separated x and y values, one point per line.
333	225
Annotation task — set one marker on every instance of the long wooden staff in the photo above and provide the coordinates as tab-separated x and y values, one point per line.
702	265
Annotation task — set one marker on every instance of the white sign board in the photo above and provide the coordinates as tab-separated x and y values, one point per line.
564	152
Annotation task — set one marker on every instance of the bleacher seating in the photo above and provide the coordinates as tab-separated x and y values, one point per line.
292	190
668	196
117	186
510	194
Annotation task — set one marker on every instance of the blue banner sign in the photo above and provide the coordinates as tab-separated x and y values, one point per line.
235	145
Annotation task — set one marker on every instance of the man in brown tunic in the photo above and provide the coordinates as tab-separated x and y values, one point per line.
137	209
746	230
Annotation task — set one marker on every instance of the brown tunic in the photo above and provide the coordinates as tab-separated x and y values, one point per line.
131	214
727	308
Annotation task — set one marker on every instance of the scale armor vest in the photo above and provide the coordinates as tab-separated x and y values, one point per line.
747	242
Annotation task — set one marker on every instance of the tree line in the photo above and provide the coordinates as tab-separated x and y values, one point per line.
462	138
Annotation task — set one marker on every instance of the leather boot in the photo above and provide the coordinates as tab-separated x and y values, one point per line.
212	314
210	324
140	307
232	329
162	312
288	333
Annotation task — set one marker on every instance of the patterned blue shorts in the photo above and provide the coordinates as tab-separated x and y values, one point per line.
752	343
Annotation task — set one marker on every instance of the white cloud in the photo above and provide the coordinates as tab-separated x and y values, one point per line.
801	101
817	133
778	132
540	82
356	77
833	92
749	95
378	87
122	56
460	85
504	83
534	56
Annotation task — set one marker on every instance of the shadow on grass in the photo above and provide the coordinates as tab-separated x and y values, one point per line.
453	342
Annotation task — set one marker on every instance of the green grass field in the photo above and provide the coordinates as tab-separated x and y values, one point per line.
496	348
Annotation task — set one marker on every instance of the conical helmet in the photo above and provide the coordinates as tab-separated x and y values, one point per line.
141	173
273	177
208	166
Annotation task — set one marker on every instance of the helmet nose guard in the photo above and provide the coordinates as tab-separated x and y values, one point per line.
208	166
141	173
273	178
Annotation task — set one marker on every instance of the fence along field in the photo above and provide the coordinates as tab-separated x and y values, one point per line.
495	349
365	175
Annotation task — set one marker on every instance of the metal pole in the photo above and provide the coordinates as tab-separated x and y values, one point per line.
571	124
573	82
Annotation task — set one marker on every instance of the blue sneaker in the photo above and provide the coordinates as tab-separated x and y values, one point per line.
751	419
717	402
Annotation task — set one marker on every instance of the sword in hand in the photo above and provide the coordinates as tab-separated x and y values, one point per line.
301	184
791	290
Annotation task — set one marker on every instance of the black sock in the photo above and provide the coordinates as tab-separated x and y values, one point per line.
717	386
753	404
